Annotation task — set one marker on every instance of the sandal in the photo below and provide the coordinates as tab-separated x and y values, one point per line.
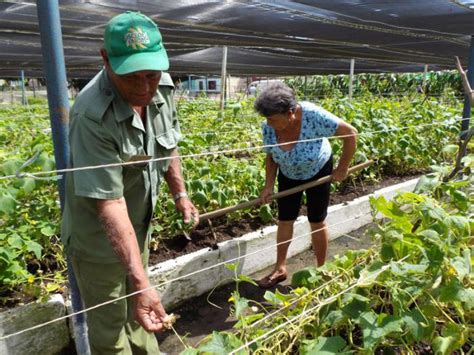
271	280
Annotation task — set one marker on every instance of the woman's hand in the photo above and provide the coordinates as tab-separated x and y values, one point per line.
340	173
265	194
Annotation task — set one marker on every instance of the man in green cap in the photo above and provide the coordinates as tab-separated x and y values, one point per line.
120	116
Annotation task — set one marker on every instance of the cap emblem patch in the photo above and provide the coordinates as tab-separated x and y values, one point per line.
136	38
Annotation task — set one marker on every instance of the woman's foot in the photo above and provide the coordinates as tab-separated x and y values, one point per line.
271	280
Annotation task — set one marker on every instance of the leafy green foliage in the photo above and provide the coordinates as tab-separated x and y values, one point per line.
437	83
399	134
416	288
29	210
29	213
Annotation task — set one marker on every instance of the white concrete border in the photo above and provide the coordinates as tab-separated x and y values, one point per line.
51	339
356	211
55	337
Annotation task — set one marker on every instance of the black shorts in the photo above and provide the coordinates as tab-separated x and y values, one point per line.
317	197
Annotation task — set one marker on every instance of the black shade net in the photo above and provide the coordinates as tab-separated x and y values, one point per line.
273	38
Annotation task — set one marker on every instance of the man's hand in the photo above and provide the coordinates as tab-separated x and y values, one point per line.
189	211
149	311
339	174
265	194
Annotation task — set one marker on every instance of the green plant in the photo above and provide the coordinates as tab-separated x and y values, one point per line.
416	289
30	214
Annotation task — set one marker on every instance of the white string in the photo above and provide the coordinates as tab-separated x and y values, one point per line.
313	309
194	131
406	94
296	300
168	281
327	301
306	294
222	152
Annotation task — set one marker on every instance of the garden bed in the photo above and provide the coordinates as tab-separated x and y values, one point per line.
342	218
181	290
224	229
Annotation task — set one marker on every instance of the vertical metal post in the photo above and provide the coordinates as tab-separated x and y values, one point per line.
223	76
425	76
304	86
33	83
56	85
351	79
23	93
466	113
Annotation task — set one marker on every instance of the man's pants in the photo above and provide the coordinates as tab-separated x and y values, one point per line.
112	329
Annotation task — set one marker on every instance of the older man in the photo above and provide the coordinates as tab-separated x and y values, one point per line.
121	117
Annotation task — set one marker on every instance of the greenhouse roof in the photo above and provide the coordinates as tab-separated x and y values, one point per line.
263	37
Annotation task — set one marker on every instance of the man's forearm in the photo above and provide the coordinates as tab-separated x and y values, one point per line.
114	217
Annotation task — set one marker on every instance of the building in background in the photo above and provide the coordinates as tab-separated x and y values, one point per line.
210	86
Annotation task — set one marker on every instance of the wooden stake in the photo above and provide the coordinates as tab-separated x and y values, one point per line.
257	201
465	82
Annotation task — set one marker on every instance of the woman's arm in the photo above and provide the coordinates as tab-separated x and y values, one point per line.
349	142
270	176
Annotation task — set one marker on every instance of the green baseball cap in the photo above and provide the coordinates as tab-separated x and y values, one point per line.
133	43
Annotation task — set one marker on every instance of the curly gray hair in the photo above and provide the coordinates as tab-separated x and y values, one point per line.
275	98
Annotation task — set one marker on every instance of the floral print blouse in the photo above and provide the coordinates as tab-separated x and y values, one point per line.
305	159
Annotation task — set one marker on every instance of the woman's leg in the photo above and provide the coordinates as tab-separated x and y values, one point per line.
318	201
288	208
319	239
284	234
279	273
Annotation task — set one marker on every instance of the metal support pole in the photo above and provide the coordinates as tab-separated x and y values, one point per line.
351	79
466	113
23	93
223	76
305	87
56	85
425	76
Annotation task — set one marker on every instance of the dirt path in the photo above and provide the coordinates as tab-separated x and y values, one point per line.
199	317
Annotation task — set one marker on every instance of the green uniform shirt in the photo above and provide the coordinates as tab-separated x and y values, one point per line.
104	129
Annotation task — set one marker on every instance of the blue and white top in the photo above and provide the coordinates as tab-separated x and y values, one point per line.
305	159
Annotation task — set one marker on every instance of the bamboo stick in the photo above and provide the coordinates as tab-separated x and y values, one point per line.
465	82
293	190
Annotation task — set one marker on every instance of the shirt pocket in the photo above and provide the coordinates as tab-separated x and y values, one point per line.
131	146
168	140
165	143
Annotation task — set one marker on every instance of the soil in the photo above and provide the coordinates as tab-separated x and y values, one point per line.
206	237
